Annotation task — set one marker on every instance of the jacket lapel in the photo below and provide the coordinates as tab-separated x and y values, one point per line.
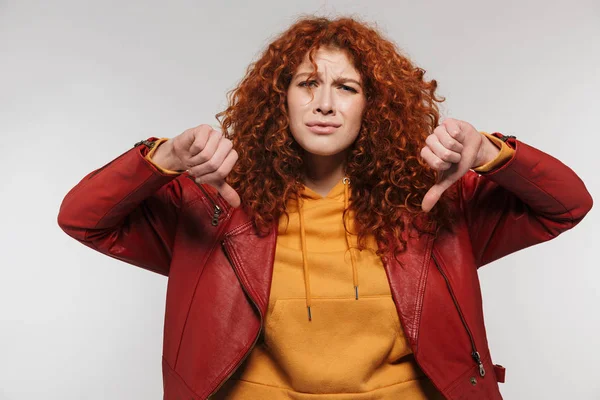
407	275
252	257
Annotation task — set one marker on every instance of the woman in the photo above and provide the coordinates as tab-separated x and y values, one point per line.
327	241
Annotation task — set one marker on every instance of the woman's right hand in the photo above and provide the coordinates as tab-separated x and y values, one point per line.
205	154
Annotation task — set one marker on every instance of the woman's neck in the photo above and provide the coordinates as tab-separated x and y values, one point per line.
322	173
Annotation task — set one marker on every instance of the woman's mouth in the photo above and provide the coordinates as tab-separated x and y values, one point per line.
322	129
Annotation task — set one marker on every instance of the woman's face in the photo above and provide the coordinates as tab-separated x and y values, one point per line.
328	123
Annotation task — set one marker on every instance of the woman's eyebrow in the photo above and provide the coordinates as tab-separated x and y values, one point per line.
341	79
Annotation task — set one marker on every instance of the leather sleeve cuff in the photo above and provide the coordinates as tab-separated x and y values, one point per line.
506	153
148	158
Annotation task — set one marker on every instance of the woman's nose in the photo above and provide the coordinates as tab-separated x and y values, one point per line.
324	102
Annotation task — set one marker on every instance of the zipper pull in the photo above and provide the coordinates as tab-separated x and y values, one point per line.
477	359
215	218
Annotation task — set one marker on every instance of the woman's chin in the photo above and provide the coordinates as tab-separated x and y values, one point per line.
323	152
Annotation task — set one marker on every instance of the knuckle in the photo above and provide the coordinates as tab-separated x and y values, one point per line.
203	157
198	143
194	171
203	131
199	132
450	123
221	173
225	146
195	148
212	165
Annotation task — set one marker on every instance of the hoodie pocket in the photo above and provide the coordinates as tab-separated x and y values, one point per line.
349	346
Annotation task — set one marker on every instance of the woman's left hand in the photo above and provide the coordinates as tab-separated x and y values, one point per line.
453	148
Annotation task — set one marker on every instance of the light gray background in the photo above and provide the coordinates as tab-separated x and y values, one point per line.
81	82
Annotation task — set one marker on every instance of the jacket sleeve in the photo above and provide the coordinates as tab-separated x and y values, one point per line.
530	199
127	209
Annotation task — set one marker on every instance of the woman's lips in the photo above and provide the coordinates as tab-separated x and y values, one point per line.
322	129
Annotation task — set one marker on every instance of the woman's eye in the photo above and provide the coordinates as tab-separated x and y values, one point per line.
314	83
349	89
307	83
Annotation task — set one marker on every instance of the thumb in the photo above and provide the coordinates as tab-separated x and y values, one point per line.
435	192
229	194
432	197
447	178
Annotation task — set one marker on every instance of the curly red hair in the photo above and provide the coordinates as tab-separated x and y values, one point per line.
388	178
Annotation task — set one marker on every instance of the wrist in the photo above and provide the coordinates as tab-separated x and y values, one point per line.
487	152
162	156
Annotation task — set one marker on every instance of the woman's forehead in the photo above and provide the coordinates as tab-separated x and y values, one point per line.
328	58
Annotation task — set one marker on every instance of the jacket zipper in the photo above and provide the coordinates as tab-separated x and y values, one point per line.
257	334
474	352
216	210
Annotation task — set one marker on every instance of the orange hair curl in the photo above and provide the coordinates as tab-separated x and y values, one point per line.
387	176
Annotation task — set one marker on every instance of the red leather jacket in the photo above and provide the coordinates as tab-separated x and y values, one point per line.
220	270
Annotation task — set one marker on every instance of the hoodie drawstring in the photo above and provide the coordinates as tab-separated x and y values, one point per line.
304	259
354	270
305	266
